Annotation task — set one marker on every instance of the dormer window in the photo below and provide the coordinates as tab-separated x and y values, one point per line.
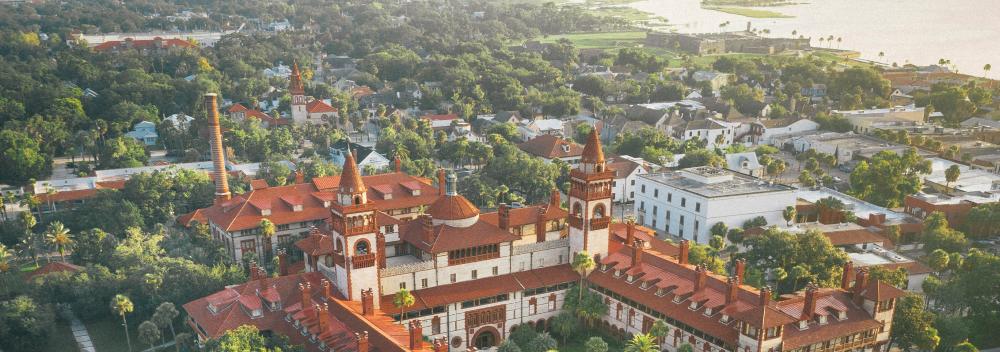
693	306
630	278
708	311
213	309
803	324
822	320
644	285
677	299
265	212
326	204
841	315
724	319
297	208
618	273
256	313
660	292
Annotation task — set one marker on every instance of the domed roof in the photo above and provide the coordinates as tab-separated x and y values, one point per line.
452	207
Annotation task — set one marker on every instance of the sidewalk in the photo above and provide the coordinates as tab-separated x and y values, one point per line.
80	334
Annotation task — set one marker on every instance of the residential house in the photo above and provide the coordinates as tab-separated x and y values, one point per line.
550	147
367	158
144	132
533	128
745	163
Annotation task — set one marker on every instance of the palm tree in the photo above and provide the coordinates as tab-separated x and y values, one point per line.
403	299
788	214
28	247
839	39
659	330
58	235
986	72
149	333
583	263
267	230
122	305
642	343
164	317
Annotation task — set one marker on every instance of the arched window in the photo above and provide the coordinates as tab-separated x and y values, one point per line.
357	200
361	248
599	211
338	246
577	209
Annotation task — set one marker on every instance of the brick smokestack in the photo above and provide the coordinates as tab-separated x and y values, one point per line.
682	258
398	164
732	288
741	268
809	307
327	294
362	340
637	252
218	158
845	279
765	295
630	232
702	280
416	335
503	216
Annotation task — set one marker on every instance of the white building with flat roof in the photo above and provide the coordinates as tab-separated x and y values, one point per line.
686	203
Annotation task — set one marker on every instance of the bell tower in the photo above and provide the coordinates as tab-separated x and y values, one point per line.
590	201
359	247
298	93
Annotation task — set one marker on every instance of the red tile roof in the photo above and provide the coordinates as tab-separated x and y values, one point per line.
53	267
242	212
551	147
445	238
319	106
592	152
486	287
237	108
527	215
189	219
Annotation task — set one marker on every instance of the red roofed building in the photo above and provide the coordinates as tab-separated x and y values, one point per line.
476	276
144	45
549	147
53	267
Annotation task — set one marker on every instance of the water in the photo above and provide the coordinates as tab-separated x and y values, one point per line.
908	31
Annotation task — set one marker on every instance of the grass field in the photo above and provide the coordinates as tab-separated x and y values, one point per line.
108	335
747	12
605	40
61	339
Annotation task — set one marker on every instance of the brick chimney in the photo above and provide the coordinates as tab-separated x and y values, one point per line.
637	249
252	271
398	164
367	303
282	263
327	294
427	226
540	224
765	295
702	279
732	288
322	318
441	182
876	219
218	158
845	278
809	307
682	257
860	283
441	345
300	177
629	232
503	216
741	268
554	200
362	340
306	293
416	335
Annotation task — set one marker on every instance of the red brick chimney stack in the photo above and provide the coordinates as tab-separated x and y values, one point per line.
702	280
845	278
637	252
732	288
765	295
416	335
367	303
860	283
282	263
398	164
441	182
554	200
741	268
327	294
362	340
218	157
629	232
306	293
682	258
809	308
300	177
503	214
320	318
252	271
428	228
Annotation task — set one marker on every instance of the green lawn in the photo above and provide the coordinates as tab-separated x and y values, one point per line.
108	335
577	343
747	12
602	40
61	339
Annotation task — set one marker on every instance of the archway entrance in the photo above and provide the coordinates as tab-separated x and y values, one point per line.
485	339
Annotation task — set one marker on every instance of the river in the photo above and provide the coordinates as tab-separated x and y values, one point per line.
907	31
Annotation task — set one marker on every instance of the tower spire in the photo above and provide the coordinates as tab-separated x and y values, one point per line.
295	81
592	153
350	179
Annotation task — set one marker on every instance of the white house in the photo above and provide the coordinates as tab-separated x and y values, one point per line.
718	133
180	120
627	170
367	158
144	132
533	128
688	202
745	163
767	131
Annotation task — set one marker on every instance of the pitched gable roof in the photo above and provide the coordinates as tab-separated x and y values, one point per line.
551	147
